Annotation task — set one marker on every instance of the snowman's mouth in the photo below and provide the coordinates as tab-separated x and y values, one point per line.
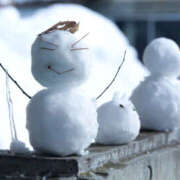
60	73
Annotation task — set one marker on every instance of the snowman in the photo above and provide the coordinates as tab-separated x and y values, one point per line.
157	98
60	120
118	121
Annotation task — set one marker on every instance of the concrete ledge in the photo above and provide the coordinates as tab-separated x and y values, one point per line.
33	166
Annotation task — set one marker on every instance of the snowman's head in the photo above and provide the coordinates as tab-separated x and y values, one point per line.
59	59
162	57
122	101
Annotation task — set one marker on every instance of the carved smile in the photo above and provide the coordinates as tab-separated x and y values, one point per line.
60	73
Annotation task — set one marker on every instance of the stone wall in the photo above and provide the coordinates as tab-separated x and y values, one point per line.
153	156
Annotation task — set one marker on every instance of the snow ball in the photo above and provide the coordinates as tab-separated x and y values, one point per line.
118	122
55	63
157	101
61	123
17	146
162	57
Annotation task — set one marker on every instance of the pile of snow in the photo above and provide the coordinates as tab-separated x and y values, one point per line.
105	41
157	98
18	147
118	122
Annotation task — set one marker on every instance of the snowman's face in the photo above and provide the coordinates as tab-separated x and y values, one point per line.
56	62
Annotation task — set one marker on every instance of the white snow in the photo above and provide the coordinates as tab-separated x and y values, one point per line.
53	51
161	57
105	41
20	70
61	123
18	147
157	98
118	122
7	2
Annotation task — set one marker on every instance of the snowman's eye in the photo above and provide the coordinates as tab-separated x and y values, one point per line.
52	44
41	38
121	106
44	48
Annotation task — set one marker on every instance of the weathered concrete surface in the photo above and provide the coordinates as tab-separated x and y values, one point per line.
147	141
152	154
160	164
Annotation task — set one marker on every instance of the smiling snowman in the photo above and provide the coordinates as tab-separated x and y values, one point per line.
157	98
60	120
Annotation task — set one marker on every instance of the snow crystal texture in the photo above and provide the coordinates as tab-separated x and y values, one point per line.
161	57
118	122
61	123
157	98
54	51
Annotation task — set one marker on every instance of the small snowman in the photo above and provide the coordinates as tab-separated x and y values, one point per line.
118	121
60	120
157	98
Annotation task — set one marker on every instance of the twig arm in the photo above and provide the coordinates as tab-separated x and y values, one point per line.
113	78
15	82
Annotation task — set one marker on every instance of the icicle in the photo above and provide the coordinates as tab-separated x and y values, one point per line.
16	145
10	109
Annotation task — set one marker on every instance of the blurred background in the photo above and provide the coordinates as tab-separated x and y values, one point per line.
143	20
140	20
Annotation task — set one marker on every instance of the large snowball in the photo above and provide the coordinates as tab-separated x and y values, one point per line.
162	57
118	122
157	101
61	123
52	54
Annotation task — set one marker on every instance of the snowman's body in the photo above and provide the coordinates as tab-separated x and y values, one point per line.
60	121
118	122
157	98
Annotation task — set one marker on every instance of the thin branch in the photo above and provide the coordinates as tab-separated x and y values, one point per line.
75	49
15	82
113	78
60	73
79	40
41	38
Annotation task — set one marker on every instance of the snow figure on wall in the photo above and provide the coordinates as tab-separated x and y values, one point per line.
60	120
118	121
157	98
